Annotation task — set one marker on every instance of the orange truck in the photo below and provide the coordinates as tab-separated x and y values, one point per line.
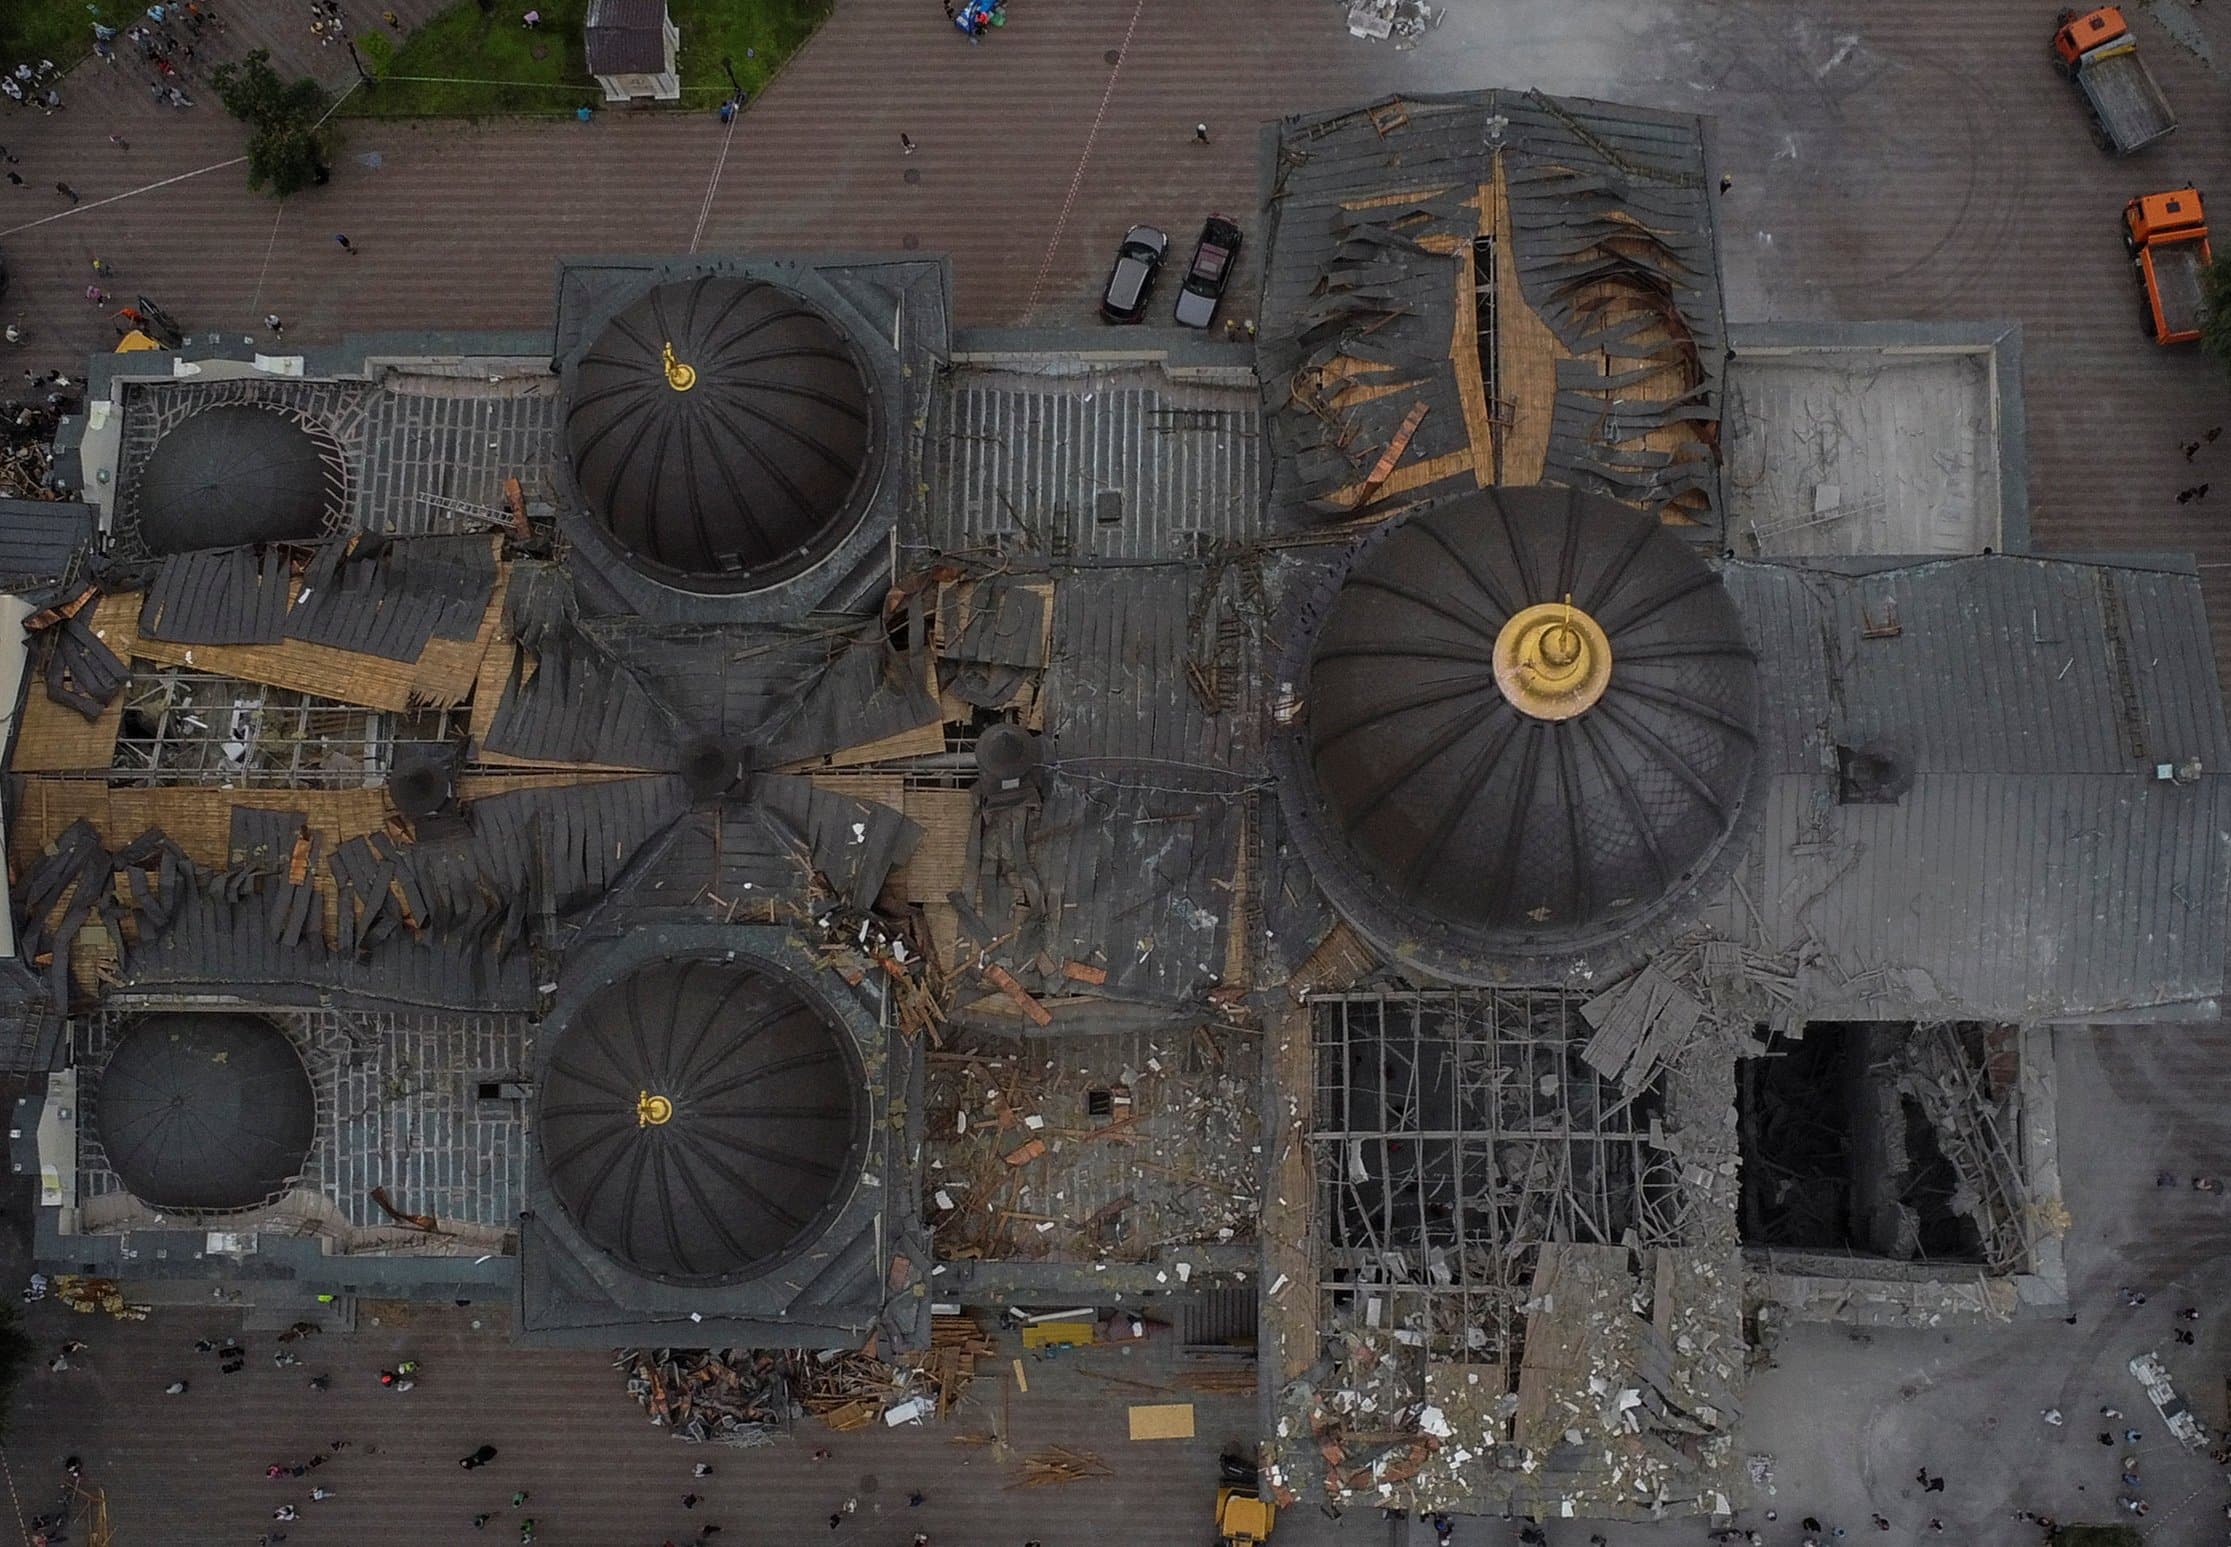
2167	234
2096	51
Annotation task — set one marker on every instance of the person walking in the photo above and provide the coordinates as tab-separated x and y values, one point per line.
347	246
479	1458
66	191
906	143
120	142
271	321
1200	133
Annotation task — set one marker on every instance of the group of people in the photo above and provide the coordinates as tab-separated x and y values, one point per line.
34	85
974	16
161	48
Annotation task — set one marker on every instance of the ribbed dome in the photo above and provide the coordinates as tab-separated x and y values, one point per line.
235	474
204	1111
1560	824
699	1118
734	460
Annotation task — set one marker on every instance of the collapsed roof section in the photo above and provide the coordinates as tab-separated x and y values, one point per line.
1492	288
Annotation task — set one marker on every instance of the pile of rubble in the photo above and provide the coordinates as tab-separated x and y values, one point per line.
728	1396
849	1390
1403	21
1111	1154
26	449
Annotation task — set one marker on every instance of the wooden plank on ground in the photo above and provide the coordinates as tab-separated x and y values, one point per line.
1162	1421
1526	353
54	738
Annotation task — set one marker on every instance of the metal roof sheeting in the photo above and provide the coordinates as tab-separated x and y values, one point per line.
1108	464
2037	868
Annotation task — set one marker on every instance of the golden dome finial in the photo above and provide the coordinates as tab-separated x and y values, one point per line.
1552	660
678	376
652	1110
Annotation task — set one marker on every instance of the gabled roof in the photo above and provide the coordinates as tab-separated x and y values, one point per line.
627	37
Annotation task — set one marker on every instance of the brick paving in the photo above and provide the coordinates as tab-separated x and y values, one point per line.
188	1471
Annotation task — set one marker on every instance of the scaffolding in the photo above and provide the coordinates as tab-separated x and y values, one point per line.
1457	1132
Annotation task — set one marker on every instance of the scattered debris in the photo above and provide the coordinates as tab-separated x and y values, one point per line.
2154	1376
1051	1468
1121	1149
730	1396
1404	21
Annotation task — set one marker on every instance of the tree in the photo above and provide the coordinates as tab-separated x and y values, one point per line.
2215	310
290	145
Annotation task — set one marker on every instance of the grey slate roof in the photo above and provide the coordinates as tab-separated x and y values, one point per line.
2037	869
42	542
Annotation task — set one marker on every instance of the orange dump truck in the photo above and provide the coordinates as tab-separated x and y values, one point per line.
2096	51
2167	234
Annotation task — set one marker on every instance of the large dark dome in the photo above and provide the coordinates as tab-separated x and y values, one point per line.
700	1118
1530	720
734	460
204	1111
234	474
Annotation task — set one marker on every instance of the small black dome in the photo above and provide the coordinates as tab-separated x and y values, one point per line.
205	1111
1550	827
732	461
234	474
699	1118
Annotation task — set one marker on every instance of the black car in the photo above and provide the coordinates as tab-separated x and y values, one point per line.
1138	260
1214	258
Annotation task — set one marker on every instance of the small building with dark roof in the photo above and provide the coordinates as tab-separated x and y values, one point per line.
632	46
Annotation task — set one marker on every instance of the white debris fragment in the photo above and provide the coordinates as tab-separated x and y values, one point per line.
1436	1423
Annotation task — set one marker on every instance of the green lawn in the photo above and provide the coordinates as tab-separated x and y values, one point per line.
466	64
60	30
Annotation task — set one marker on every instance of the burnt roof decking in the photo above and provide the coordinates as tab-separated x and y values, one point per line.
1368	289
2037	868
